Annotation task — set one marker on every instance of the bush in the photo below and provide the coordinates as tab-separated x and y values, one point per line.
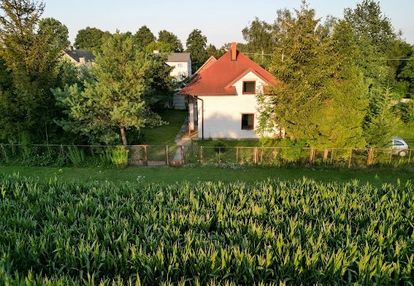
406	111
76	156
120	156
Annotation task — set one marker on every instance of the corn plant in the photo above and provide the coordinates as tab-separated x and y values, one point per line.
265	233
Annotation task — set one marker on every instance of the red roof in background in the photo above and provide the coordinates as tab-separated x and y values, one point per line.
218	77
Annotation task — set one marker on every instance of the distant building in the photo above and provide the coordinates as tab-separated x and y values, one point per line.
222	97
79	57
181	63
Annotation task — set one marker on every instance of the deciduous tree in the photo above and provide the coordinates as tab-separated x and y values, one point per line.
90	39
114	101
143	37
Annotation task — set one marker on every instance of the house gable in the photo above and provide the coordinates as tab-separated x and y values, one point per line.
220	75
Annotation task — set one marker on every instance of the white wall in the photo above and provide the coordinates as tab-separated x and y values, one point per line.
181	70
223	114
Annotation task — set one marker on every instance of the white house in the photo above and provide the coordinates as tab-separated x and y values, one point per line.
181	63
223	97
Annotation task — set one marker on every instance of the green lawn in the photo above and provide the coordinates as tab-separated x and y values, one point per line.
169	175
406	131
165	135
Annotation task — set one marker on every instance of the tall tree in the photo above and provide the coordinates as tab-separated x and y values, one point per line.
90	39
320	97
213	51
143	37
114	101
197	46
50	27
377	41
171	39
260	41
407	75
31	50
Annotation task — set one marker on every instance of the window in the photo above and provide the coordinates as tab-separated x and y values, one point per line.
398	143
247	121
249	87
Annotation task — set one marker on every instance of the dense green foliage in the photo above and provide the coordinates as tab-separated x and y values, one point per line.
196	46
29	55
171	39
300	232
337	84
90	39
143	37
114	101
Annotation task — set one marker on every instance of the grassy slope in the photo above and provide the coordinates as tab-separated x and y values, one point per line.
165	135
171	175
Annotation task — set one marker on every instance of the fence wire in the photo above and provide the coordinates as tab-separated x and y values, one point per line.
158	155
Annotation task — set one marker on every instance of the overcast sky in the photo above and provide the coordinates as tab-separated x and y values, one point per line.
220	20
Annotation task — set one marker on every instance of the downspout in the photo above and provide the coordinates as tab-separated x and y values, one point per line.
202	116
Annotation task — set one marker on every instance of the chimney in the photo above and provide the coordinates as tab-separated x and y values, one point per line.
233	51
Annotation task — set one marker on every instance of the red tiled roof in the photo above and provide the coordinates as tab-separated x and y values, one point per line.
218	77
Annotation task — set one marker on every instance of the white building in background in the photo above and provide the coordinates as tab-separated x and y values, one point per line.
181	63
223	97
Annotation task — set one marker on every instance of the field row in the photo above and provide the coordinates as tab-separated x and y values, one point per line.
299	232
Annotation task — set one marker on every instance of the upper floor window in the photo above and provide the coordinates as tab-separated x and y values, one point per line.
249	87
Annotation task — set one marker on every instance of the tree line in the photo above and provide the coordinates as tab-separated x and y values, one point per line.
339	77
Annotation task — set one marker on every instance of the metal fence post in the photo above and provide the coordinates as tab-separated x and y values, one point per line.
201	155
167	151
219	155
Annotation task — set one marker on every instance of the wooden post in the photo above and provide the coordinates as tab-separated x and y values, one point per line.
311	156
182	155
325	155
146	155
409	156
261	156
390	157
350	159
167	151
255	155
237	155
370	159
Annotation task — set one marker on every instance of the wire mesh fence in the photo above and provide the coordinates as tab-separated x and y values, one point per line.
287	156
160	155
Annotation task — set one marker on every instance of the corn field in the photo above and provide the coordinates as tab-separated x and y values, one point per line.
266	233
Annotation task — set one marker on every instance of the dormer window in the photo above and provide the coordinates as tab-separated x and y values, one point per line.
249	87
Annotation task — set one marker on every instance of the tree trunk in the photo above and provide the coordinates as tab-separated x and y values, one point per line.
123	136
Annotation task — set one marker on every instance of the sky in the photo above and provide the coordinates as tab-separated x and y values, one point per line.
220	20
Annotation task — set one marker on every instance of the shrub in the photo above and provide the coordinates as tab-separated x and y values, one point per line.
120	156
76	156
